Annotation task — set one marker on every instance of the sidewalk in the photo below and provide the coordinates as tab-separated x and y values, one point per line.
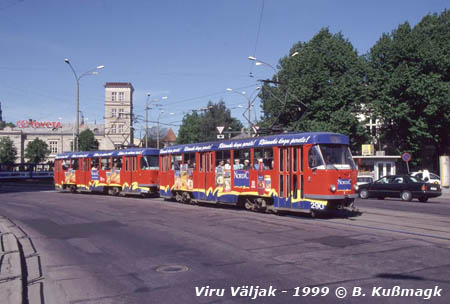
445	193
11	290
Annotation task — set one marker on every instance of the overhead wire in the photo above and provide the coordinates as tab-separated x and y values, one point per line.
257	36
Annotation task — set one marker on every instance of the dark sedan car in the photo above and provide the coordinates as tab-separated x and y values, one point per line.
404	186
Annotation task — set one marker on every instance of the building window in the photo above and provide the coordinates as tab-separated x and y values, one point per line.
113	113
113	129
113	96
120	129
121	113
53	146
121	96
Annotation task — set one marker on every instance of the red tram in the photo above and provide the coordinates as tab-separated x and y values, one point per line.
292	171
128	171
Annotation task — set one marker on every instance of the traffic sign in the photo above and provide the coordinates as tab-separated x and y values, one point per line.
220	129
406	157
220	136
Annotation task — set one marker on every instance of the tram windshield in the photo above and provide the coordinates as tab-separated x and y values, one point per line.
330	156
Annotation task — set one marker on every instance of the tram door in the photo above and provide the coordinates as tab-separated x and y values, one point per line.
206	175
85	166
290	182
126	175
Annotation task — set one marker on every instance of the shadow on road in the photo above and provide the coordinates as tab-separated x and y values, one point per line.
26	186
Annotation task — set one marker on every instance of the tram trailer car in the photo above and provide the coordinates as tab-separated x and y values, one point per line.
293	171
127	171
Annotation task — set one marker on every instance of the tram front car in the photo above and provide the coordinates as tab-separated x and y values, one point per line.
330	173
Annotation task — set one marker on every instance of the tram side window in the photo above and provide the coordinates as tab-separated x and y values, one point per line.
189	160
65	164
117	163
106	164
149	162
94	163
175	162
241	159
266	154
223	156
75	164
314	159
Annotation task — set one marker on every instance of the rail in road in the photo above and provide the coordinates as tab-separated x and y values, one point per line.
97	248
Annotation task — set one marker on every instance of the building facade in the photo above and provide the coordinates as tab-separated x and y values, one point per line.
115	133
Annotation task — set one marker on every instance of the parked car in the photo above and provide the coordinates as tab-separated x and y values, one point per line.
404	186
434	179
362	179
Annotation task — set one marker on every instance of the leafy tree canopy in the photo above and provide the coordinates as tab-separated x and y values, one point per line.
409	85
8	152
198	127
87	141
36	151
4	124
323	85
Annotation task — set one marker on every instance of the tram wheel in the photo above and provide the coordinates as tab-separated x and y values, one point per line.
186	198
73	189
249	205
115	191
178	197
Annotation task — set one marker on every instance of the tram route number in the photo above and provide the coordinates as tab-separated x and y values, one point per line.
318	206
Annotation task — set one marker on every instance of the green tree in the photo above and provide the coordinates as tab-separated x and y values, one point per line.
36	151
199	127
4	124
8	152
409	86
87	141
320	89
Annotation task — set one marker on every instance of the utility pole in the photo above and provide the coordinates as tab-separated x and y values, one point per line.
146	120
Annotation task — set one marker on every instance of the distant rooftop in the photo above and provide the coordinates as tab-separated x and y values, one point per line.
119	85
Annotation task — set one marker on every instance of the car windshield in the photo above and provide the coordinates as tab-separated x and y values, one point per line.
414	179
337	156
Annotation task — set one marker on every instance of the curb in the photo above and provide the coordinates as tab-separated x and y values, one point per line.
11	281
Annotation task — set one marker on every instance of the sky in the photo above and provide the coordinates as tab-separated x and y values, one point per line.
190	51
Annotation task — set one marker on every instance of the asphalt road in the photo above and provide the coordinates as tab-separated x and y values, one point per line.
101	249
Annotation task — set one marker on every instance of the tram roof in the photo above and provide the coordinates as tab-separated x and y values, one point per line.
285	139
135	151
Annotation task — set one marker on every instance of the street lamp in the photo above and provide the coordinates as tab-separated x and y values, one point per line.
243	94
157	135
146	119
147	107
260	62
77	79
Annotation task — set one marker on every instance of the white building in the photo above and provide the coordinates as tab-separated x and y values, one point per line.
116	132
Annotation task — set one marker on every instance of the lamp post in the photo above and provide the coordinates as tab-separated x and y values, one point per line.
147	107
77	79
249	119
260	62
157	135
146	119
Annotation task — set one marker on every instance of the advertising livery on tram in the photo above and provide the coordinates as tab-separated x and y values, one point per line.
291	171
128	171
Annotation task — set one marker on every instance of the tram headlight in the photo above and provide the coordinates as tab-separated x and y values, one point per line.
356	187
333	188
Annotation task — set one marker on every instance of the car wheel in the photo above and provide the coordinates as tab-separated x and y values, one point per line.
364	194
380	198
406	196
423	199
